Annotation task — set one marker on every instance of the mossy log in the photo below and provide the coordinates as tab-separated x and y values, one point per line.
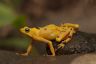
81	42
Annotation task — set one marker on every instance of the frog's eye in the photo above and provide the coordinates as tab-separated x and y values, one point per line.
27	29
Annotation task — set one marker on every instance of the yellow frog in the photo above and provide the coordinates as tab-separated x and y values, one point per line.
50	32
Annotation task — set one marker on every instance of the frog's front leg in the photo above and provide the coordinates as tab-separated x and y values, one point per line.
29	49
39	38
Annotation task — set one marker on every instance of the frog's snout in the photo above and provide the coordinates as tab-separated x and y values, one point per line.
21	30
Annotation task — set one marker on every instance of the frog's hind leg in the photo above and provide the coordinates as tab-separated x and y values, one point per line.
69	36
62	35
62	44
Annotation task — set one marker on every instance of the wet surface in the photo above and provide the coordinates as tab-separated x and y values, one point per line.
7	57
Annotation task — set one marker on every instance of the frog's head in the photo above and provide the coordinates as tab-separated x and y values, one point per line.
26	30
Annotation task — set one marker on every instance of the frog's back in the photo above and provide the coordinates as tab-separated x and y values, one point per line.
51	26
49	31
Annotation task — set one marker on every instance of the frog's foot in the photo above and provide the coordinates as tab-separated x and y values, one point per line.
24	54
61	45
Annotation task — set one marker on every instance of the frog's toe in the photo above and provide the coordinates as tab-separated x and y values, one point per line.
61	45
25	54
